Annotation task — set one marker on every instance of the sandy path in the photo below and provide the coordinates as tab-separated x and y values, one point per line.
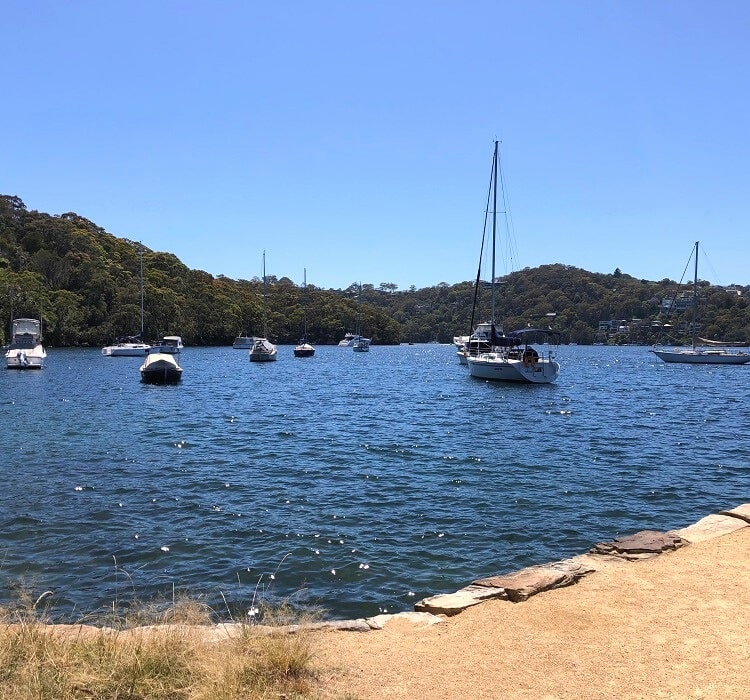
676	626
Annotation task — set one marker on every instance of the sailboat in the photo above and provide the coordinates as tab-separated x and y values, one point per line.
697	354
512	357
479	339
130	346
263	350
304	349
360	343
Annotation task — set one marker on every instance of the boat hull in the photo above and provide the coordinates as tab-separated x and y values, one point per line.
126	350
25	359
698	357
304	350
497	368
160	368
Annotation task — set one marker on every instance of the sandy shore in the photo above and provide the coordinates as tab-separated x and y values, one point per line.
675	626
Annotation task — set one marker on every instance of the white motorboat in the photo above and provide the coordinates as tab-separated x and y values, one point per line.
711	352
243	342
511	358
25	350
160	368
477	342
348	340
171	344
263	350
130	346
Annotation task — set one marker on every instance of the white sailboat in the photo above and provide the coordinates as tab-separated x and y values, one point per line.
304	349
263	350
360	343
697	354
130	346
512	358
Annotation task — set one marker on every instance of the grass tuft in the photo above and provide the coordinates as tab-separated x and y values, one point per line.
173	659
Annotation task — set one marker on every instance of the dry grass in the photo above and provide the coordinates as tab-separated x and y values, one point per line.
172	660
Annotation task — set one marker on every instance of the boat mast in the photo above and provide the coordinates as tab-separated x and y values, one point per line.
695	293
494	227
265	331
141	255
304	284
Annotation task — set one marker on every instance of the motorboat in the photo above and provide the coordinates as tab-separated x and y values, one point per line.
25	350
477	342
348	340
161	368
243	342
171	344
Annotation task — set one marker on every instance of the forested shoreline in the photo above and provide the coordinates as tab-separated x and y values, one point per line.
85	284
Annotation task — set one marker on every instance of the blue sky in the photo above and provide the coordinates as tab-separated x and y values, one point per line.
354	139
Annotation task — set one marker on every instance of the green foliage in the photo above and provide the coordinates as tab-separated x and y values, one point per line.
85	283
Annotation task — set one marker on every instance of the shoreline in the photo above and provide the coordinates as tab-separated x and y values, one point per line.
672	625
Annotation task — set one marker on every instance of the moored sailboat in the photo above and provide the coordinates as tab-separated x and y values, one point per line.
304	349
511	358
717	352
263	350
130	346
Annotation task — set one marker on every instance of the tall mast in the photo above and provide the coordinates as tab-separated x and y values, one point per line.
494	227
695	292
304	283
265	332
141	255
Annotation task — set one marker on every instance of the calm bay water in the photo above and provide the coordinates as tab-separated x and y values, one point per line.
358	482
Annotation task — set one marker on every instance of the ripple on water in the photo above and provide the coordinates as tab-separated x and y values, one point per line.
361	486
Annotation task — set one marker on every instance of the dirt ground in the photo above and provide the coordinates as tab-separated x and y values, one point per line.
675	626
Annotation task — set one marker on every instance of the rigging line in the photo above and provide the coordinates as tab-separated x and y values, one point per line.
512	251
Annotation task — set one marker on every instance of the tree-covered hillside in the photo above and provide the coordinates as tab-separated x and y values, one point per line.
85	283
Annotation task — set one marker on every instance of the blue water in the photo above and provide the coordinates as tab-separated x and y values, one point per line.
356	482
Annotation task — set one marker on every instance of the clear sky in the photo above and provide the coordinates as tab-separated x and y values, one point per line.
354	138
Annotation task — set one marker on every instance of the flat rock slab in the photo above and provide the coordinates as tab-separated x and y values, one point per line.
711	526
454	603
742	512
523	584
641	545
415	619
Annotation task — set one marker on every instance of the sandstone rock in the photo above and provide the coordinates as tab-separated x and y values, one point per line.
641	545
420	619
742	512
711	526
525	583
453	603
